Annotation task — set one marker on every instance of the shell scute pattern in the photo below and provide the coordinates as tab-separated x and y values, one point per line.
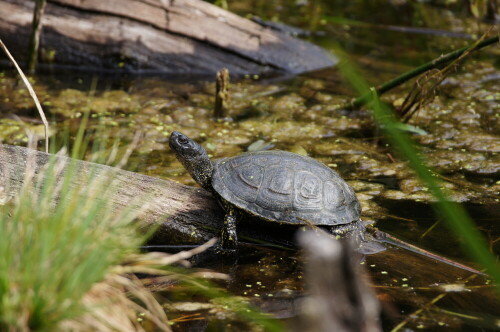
276	193
308	191
252	175
285	187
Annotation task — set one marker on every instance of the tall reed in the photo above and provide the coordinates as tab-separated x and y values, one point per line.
457	218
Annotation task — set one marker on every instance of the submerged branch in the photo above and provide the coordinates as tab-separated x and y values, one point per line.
436	63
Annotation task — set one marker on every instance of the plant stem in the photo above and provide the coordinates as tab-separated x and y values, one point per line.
458	220
360	101
32	94
221	93
35	35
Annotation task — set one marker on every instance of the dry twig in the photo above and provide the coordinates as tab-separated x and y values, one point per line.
32	93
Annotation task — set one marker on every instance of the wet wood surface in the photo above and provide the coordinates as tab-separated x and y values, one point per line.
181	36
180	214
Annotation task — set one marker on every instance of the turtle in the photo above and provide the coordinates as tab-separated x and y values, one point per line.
276	186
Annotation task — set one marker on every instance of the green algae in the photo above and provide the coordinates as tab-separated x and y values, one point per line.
461	127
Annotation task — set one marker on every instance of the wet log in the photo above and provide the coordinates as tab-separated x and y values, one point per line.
160	36
180	214
184	214
339	297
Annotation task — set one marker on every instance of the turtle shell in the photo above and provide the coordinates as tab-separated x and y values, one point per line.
285	187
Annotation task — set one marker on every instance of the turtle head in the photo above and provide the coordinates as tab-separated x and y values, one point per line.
194	158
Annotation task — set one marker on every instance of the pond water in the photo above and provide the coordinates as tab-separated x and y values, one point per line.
458	137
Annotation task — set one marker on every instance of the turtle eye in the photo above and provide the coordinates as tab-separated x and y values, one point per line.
183	140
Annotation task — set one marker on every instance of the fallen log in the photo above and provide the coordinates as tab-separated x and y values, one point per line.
180	214
160	36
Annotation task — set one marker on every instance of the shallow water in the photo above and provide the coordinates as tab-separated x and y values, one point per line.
301	114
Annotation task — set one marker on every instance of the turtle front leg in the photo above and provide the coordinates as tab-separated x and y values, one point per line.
229	239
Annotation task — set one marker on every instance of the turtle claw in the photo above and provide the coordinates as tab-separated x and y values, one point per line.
229	238
221	250
370	248
228	244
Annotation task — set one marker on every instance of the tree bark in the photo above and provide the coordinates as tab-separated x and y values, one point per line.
160	36
180	214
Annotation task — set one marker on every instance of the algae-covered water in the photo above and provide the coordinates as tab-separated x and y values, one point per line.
457	132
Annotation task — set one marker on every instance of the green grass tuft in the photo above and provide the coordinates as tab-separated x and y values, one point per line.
51	256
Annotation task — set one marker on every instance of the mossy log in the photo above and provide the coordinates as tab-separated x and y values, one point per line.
159	36
181	214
